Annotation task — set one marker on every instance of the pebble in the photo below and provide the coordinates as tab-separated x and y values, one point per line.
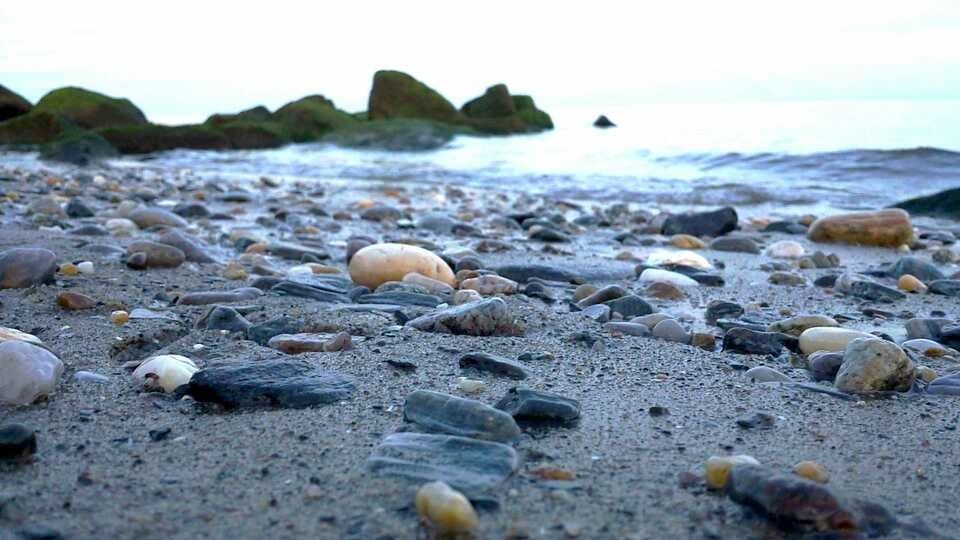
707	342
652	275
446	511
167	372
307	342
811	470
269	383
157	255
202	298
874	365
829	339
883	228
746	341
490	363
925	347
685	241
121	227
670	330
535	406
12	334
470	386
234	271
629	306
24	267
452	415
736	244
193	249
627	329
605	294
521	273
223	318
85	267
785	249
27	372
794	326
583	291
946	287
758	420
722	309
764	374
75	301
490	317
376	264
713	223
916	267
717	468
490	285
911	284
824	365
465	297
17	442
598	312
651	319
89	376
156	217
664	257
434	286
119	317
926	374
790	279
664	291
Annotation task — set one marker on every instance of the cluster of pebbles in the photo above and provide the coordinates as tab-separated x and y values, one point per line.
222	299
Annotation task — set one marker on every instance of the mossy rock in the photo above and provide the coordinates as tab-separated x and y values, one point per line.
147	138
404	135
310	118
79	148
496	102
250	135
534	118
398	95
91	110
361	116
35	127
255	114
12	104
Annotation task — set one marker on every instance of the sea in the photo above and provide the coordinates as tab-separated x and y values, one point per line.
762	158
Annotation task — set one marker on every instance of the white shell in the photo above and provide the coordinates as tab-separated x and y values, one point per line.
168	371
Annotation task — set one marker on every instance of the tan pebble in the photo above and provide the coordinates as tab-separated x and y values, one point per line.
377	264
490	284
234	270
685	241
883	228
807	219
583	291
447	511
925	373
664	291
717	468
465	296
256	247
811	470
119	317
72	301
910	283
903	248
323	268
547	472
707	342
365	203
69	269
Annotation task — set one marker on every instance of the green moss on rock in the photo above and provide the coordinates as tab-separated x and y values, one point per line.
91	110
310	118
255	114
496	112
147	138
12	104
35	127
534	118
79	148
249	135
398	95
496	102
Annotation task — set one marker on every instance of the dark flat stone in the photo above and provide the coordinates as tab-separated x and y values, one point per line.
534	406
452	415
269	383
492	364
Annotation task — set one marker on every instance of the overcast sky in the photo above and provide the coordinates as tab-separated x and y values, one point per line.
181	60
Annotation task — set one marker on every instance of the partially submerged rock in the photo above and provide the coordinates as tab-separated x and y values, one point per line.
90	110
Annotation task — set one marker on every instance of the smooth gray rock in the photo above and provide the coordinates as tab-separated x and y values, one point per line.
242	294
629	306
25	267
490	317
925	328
824	365
736	244
670	330
722	309
490	363
223	318
452	415
192	248
523	272
945	287
529	405
269	383
746	341
628	329
764	374
916	267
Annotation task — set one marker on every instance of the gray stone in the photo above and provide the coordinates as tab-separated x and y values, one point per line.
629	306
627	329
721	309
529	405
193	249
746	341
471	466
764	374
452	415
670	330
490	363
154	217
715	223
736	244
223	318
297	252
925	328
523	272
157	255
17	442
604	294
320	293
269	383
490	317
824	365
201	298
401	298
945	287
916	267
598	312
25	267
261	333
874	365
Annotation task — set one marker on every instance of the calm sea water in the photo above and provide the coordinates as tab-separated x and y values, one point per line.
762	158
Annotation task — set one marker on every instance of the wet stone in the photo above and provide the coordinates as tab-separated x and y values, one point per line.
489	317
735	244
917	267
157	255
746	341
946	287
269	383
824	365
297	252
490	363
193	249
472	466
629	306
721	309
521	273
223	318
89	230
191	210
400	298
24	267
605	294
452	415
75	301
201	298
529	405
868	290
261	333
17	442
76	209
715	223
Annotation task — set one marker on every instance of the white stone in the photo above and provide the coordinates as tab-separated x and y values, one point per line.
27	372
470	386
824	338
85	267
167	371
121	227
785	249
12	334
465	297
665	257
653	275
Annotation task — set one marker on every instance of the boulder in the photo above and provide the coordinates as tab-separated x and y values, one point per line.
882	228
78	148
603	122
398	95
147	138
397	135
254	114
35	128
497	112
311	117
90	110
943	204
12	104
532	117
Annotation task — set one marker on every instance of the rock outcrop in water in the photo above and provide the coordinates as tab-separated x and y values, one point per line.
943	204
12	104
398	95
498	112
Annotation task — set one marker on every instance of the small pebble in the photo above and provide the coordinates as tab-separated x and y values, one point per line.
446	511
812	470
119	317
717	469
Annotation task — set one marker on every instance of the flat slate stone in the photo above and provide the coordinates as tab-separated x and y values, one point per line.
490	363
269	383
452	415
946	287
401	298
523	272
468	465
312	292
747	341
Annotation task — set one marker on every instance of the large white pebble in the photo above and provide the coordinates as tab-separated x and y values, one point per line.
26	372
167	371
664	257
653	275
375	265
785	249
823	338
12	334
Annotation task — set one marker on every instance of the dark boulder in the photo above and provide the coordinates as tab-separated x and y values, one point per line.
12	104
714	223
603	122
943	204
309	118
78	148
398	95
90	110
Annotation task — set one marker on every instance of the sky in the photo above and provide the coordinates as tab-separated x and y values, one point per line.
183	60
